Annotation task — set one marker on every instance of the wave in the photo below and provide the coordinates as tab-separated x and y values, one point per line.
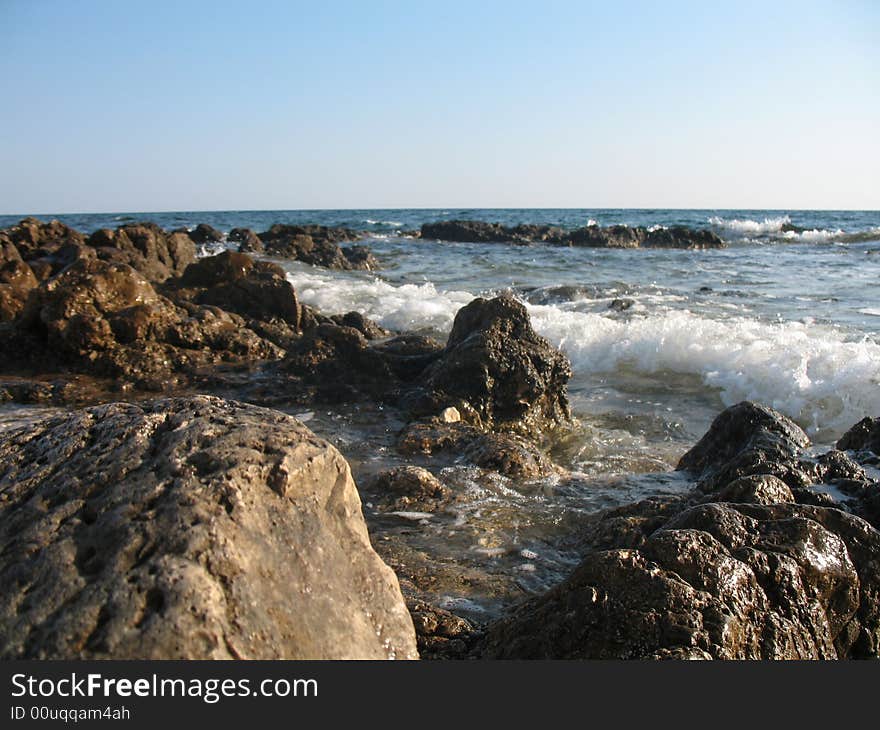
811	373
746	227
392	224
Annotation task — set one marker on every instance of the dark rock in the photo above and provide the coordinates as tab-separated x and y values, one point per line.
864	436
236	283
107	319
203	233
621	305
361	258
508	454
748	439
247	240
190	528
316	245
367	327
682	237
608	237
34	239
755	489
146	247
16	281
726	581
495	362
439	633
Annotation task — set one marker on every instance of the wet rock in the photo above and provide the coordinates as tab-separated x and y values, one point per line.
16	281
189	528
682	237
409	488
360	257
409	355
606	237
338	364
747	439
755	489
496	363
509	455
481	232
147	248
621	305
864	436
247	240
367	327
433	437
727	581
203	233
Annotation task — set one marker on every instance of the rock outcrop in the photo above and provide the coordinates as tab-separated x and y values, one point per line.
146	247
592	236
317	245
188	528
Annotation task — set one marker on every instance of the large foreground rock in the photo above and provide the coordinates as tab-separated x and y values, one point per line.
191	528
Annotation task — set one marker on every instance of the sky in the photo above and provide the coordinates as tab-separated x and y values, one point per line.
154	106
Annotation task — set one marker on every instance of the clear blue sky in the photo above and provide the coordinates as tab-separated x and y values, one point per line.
127	106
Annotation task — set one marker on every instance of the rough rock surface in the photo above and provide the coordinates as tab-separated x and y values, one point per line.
107	319
496	364
409	488
16	281
147	248
190	528
247	240
203	233
592	236
317	245
740	573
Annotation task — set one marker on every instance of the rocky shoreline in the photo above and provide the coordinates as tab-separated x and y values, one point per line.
173	509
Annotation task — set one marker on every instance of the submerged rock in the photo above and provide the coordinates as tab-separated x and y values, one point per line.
189	528
409	488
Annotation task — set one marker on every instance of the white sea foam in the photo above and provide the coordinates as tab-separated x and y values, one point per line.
371	222
747	227
810	372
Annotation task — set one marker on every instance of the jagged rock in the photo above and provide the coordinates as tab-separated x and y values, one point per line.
107	319
190	528
607	237
727	581
16	281
496	363
864	436
367	327
755	489
247	240
146	247
203	233
236	283
746	439
316	245
682	237
34	239
508	454
440	634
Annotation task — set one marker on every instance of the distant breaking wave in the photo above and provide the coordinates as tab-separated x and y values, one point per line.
781	228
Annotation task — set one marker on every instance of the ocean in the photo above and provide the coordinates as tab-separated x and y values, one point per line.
787	315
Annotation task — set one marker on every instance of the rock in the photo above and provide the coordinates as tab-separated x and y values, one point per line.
236	283
439	633
621	305
508	454
203	233
107	319
480	232
725	581
34	239
361	258
16	281
864	436
609	237
755	489
146	247
450	415
247	240
682	237
316	245
189	528
747	439
496	363
367	327
410	488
